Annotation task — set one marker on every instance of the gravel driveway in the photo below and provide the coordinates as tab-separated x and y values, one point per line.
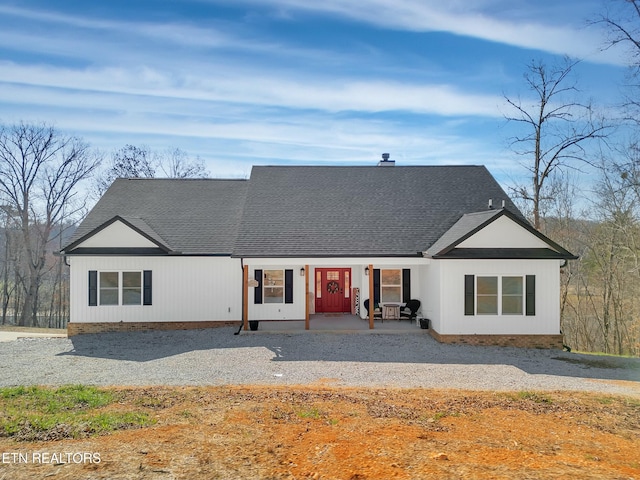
217	357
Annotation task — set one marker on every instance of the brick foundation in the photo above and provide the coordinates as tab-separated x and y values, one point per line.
82	328
523	341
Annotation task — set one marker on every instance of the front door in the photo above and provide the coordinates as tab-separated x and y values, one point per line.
333	290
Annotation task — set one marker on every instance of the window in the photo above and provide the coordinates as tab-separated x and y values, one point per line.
347	284
391	285
109	288
498	295
512	298
273	286
318	284
120	288
487	298
131	288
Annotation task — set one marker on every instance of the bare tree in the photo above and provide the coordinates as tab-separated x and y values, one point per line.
556	126
621	20
176	163
141	162
128	162
40	170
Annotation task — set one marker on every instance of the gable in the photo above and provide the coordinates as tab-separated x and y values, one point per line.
117	235
503	233
177	216
495	234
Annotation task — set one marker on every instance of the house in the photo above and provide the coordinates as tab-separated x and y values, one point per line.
292	241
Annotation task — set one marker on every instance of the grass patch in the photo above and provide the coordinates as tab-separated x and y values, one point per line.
535	397
71	411
312	413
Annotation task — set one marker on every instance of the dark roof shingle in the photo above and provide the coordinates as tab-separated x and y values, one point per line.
190	216
299	211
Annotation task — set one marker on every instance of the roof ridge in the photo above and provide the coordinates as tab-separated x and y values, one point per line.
190	179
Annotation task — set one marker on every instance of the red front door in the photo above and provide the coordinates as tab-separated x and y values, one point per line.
333	290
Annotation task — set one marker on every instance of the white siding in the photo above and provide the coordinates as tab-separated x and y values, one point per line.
432	294
117	235
503	233
453	320
184	289
296	310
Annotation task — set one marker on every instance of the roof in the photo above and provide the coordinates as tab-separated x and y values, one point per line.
188	216
305	211
300	211
468	224
471	223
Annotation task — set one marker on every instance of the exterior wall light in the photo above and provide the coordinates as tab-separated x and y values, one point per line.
366	270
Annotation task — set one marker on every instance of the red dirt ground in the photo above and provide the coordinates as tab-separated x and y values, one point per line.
324	432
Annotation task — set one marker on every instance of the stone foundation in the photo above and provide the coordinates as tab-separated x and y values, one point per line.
83	328
522	341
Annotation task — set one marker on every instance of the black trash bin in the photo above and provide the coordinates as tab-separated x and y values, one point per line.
253	325
424	323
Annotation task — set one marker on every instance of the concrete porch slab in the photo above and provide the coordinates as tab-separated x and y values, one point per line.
338	323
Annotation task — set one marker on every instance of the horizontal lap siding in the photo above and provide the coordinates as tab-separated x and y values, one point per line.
184	289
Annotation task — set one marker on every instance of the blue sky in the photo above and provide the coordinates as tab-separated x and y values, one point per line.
249	82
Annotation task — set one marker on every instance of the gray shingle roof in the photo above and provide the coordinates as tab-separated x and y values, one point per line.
298	211
301	211
190	216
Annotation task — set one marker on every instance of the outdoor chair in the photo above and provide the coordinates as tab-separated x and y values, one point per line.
410	310
377	312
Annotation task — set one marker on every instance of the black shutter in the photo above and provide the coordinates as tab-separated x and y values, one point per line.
257	292
376	286
469	295
406	285
146	288
530	289
288	286
93	288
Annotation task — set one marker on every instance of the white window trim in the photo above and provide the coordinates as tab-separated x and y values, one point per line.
382	285
265	286
500	297
120	288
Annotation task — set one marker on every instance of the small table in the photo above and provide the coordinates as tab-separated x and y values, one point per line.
391	311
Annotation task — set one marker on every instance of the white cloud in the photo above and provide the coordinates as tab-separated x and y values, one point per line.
246	86
486	20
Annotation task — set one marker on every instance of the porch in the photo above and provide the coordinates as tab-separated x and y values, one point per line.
338	322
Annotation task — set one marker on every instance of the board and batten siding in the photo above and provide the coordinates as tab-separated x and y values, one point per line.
184	289
432	294
451	318
296	310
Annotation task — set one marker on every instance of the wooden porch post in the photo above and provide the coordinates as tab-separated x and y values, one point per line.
245	296
306	297
371	297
